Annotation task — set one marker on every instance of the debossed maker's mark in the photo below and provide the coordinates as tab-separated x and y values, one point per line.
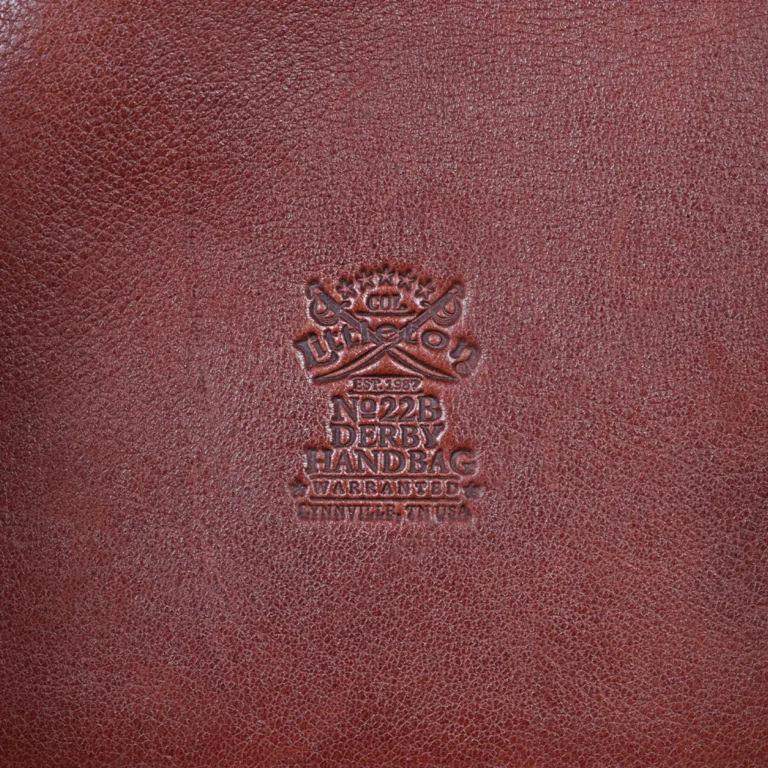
385	343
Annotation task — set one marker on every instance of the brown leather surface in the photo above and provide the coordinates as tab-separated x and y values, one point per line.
172	176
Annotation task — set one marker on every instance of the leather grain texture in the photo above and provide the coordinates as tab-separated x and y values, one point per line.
172	175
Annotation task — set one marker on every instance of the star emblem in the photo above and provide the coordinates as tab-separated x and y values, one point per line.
366	279
346	289
473	490
298	488
406	280
425	289
387	275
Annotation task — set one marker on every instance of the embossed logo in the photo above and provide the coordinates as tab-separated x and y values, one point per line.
386	349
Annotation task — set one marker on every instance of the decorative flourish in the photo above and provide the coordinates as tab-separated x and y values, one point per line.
346	289
473	490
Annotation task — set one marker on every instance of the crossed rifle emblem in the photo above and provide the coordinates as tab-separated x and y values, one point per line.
389	340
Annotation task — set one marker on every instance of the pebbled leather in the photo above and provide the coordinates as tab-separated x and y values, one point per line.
171	177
